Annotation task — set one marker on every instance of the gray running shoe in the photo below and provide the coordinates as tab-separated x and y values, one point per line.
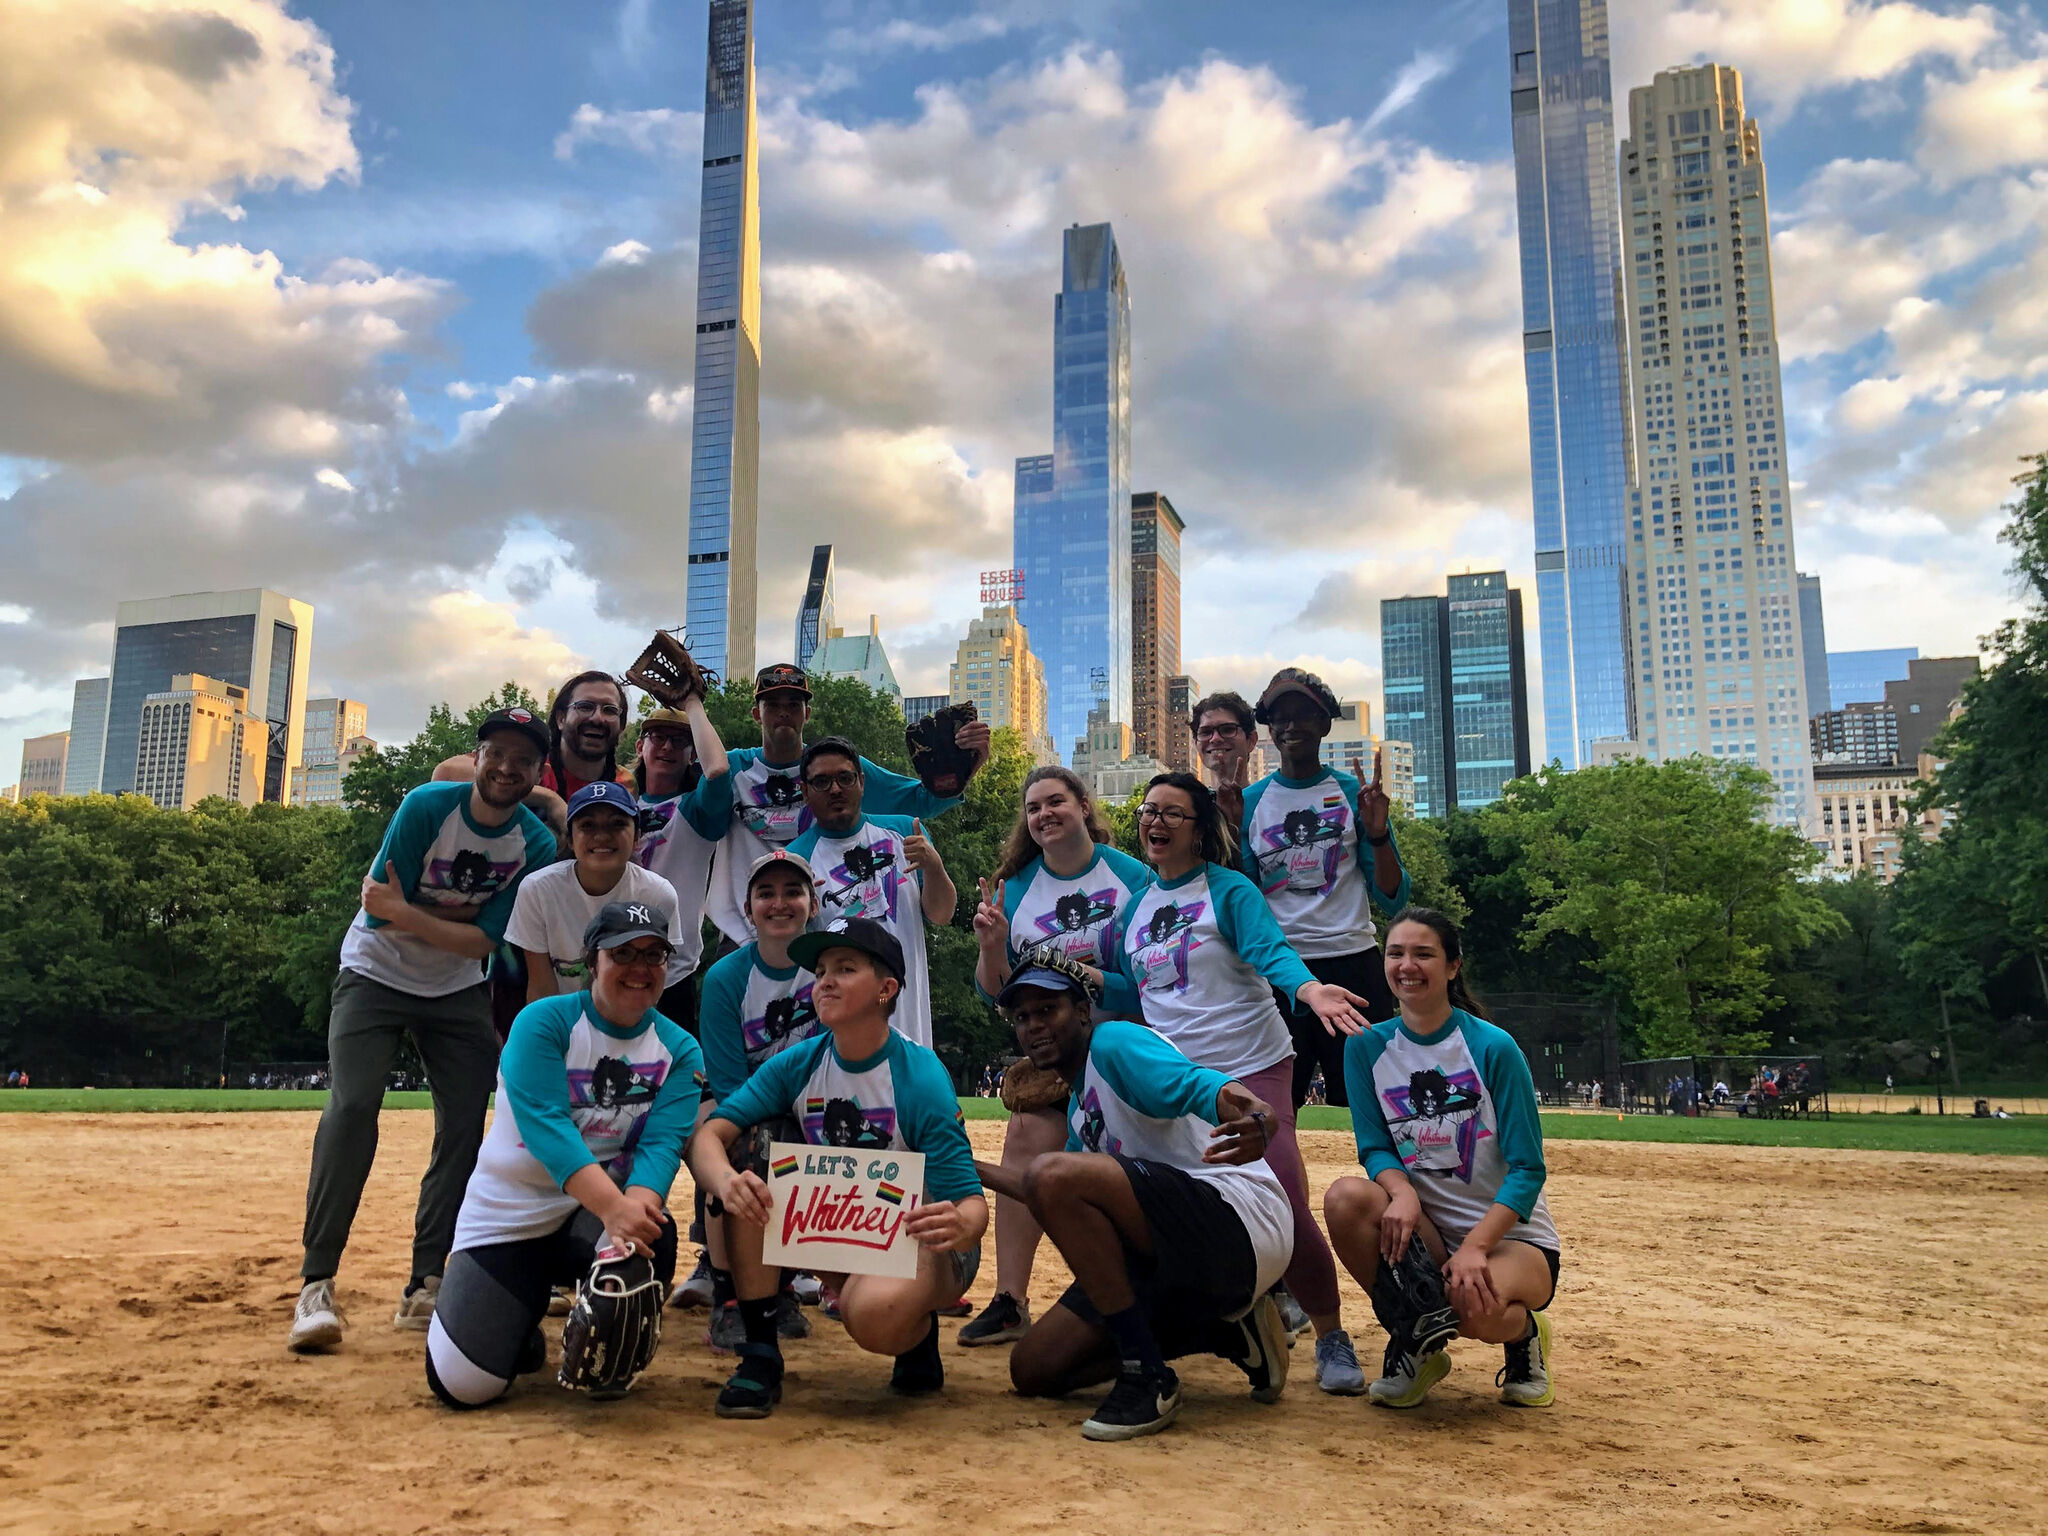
1337	1368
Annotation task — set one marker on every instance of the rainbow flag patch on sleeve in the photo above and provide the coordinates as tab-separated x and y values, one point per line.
782	1167
889	1192
814	1106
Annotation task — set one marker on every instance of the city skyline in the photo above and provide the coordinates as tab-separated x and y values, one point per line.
448	385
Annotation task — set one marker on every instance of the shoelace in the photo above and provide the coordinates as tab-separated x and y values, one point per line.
1520	1364
1330	1347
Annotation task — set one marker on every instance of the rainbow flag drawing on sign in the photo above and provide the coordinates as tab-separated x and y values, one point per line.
782	1167
889	1192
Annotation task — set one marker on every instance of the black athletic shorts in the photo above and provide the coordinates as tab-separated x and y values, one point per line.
1201	1268
1364	973
1550	1258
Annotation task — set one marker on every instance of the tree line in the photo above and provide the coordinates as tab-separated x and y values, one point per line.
151	946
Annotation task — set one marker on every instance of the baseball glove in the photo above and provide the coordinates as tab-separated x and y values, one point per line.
942	767
614	1327
1409	1299
1027	1086
668	671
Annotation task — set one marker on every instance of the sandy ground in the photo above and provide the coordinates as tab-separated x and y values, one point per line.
1748	1340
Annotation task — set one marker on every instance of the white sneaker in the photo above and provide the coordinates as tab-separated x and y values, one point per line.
416	1306
1405	1381
316	1321
1525	1380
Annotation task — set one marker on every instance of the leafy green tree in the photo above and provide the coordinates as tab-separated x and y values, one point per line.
1684	892
1425	854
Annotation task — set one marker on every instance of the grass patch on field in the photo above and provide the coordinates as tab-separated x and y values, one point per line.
2025	1136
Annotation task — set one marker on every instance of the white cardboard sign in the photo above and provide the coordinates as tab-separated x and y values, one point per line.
840	1210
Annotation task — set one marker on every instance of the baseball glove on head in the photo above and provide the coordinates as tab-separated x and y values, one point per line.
614	1327
942	767
668	671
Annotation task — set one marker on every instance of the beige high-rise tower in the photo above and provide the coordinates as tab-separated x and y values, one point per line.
1712	572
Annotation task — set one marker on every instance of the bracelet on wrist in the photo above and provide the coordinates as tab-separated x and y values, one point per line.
1379	842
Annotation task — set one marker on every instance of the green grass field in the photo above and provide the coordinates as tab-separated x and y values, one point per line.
2026	1136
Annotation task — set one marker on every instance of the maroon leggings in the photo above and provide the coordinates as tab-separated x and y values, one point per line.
1312	1272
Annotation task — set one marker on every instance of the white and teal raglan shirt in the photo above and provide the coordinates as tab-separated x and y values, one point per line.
1201	951
452	867
575	1089
749	1011
1301	845
678	834
1076	916
1458	1112
1140	1097
768	812
899	1099
861	873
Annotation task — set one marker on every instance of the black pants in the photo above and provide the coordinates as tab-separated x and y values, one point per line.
679	1003
1314	1046
493	1297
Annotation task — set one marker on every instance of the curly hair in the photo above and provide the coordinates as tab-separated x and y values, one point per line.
1019	848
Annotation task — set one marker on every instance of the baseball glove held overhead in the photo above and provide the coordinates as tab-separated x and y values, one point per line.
668	671
943	767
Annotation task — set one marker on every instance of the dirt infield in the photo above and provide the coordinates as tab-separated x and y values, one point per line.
1748	1340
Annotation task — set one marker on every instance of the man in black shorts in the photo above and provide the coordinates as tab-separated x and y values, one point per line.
1161	1204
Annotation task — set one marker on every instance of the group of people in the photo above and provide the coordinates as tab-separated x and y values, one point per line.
1171	1013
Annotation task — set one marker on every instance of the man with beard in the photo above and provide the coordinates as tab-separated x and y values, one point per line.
768	795
435	904
584	725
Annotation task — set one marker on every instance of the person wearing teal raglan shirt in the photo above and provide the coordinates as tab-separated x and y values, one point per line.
435	904
865	1086
768	798
1207	957
880	867
1057	887
756	1005
1319	845
1160	1201
597	1095
1444	1110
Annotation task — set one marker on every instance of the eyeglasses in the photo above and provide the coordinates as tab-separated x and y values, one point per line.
583	709
646	956
1211	732
841	780
1169	815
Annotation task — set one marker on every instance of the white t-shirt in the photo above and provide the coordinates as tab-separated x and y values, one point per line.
862	874
552	910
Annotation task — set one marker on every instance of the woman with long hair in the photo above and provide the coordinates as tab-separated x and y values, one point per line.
1206	955
1058	886
1448	1231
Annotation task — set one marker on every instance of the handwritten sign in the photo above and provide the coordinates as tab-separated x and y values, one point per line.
840	1210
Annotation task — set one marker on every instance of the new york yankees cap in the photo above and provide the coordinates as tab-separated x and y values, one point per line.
621	922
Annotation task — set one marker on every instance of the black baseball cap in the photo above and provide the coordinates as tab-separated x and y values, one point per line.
517	718
621	922
1045	971
861	933
782	677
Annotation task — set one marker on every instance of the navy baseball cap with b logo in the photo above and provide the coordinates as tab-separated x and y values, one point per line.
603	792
621	922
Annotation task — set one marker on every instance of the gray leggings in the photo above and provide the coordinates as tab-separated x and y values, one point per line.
454	1037
493	1298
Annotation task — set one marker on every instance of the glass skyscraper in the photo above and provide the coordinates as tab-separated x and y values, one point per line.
1456	688
1562	101
1073	506
815	618
725	439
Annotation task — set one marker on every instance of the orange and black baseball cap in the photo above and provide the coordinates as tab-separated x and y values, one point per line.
783	677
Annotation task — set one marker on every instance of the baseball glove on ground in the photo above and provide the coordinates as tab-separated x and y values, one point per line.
668	671
614	1327
941	766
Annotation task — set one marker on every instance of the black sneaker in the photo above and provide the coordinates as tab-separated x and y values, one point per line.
919	1370
755	1388
533	1354
1141	1403
790	1322
1266	1343
1003	1321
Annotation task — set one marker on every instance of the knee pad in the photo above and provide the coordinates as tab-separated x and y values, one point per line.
456	1379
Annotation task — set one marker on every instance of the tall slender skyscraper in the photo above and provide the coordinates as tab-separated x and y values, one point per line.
1720	659
1073	506
1155	620
1562	101
814	620
725	440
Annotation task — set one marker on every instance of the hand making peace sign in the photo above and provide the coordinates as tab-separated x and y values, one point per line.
1373	805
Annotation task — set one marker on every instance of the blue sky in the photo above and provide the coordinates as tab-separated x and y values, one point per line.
389	307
